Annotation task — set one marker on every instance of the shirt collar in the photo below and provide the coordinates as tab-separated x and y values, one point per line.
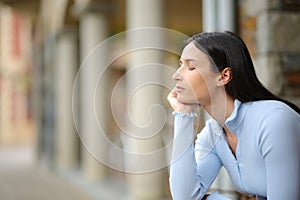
234	120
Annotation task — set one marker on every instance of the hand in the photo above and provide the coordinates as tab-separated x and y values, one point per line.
181	107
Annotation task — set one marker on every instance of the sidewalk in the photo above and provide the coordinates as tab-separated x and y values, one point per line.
20	179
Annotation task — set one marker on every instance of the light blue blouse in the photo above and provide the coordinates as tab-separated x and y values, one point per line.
267	162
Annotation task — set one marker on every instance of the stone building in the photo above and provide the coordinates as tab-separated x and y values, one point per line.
85	60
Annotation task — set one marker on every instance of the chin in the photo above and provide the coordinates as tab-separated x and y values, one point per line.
186	100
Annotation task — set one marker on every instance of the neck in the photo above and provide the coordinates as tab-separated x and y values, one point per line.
220	108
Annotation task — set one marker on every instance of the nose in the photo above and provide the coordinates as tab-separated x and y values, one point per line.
177	76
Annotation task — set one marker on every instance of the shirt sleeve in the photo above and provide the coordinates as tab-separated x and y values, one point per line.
279	144
190	177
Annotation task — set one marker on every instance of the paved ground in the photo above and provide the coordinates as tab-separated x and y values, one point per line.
21	180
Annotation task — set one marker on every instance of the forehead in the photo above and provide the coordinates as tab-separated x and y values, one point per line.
191	52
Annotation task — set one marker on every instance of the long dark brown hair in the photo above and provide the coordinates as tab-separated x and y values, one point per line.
225	49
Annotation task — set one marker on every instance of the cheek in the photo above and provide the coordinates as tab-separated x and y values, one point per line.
201	91
197	87
201	87
195	90
197	83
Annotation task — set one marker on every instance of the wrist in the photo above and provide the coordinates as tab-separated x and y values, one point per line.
188	114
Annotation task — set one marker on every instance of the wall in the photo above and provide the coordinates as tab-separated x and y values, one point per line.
271	30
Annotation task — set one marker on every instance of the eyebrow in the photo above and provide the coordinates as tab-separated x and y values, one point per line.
189	60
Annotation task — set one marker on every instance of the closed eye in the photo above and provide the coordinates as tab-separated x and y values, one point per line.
191	66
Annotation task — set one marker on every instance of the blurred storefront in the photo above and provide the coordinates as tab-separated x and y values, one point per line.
17	125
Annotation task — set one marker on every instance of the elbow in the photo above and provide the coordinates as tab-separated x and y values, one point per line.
181	190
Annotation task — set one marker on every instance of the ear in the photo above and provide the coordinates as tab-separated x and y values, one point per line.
224	77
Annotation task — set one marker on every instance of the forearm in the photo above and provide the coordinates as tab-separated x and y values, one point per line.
184	181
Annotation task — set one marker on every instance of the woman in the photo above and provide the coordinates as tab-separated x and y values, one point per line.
252	133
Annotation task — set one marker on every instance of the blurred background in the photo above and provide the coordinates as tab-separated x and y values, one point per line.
44	42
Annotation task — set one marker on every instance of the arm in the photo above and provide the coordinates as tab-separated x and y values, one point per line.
190	177
279	144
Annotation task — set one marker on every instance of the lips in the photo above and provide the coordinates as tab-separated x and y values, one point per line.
179	89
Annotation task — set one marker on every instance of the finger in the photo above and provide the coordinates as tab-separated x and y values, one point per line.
172	94
172	98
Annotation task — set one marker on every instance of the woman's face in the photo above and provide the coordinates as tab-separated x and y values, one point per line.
195	80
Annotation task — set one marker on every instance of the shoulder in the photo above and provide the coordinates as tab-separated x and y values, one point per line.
251	115
269	104
276	123
270	109
273	115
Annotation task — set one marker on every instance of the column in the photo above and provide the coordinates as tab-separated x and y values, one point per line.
226	15
219	15
48	104
66	145
37	98
144	185
93	30
209	16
